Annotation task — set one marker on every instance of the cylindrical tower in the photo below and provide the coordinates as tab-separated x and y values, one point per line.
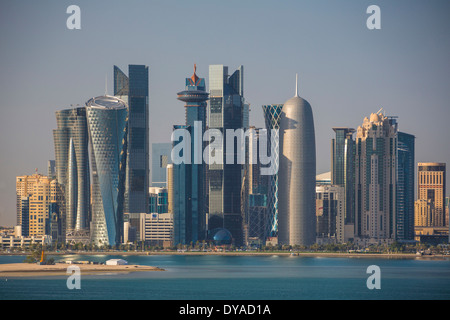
297	174
107	122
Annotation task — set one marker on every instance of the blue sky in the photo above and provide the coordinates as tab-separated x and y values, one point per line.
346	71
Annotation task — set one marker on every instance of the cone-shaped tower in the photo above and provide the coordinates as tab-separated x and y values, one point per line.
297	173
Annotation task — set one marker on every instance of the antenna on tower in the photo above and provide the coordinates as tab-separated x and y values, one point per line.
296	84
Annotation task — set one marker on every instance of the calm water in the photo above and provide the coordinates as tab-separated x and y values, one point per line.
242	278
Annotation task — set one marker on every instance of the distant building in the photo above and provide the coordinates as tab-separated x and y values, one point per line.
431	194
330	214
323	178
38	201
51	169
161	157
150	228
170	188
158	200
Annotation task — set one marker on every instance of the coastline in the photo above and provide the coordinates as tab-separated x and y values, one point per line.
60	269
242	253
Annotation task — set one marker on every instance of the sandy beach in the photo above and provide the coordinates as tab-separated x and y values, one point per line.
60	269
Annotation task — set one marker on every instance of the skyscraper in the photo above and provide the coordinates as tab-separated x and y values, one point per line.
35	195
405	187
297	174
184	223
375	179
134	91
343	168
72	169
330	213
107	122
431	194
226	111
194	181
272	116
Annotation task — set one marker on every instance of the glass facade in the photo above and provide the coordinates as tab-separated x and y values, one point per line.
190	179
134	91
107	122
226	112
343	168
405	187
72	166
161	157
272	114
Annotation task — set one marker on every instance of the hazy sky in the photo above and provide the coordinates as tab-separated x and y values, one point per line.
346	71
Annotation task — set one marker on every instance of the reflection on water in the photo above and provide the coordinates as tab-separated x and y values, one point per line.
242	277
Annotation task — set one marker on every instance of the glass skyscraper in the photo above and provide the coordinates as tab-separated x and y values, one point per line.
405	187
272	115
107	122
226	111
190	179
343	168
72	169
134	91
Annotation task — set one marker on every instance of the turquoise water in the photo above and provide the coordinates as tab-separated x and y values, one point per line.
242	278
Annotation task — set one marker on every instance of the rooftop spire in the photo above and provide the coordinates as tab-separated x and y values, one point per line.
194	77
296	84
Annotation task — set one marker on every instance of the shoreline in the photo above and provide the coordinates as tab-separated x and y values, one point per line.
242	253
23	269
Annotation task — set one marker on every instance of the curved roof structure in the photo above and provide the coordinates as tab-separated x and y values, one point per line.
108	102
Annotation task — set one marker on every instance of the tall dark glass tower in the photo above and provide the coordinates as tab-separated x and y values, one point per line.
227	110
134	91
190	180
343	168
405	187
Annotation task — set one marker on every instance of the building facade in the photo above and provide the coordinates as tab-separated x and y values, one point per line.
297	174
405	187
71	144
431	188
272	116
150	228
190	219
226	111
39	199
330	214
107	122
133	89
375	179
161	157
158	200
343	168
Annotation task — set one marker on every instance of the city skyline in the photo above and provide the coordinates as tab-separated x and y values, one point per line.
45	69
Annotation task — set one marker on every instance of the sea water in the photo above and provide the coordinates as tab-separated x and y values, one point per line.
215	277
